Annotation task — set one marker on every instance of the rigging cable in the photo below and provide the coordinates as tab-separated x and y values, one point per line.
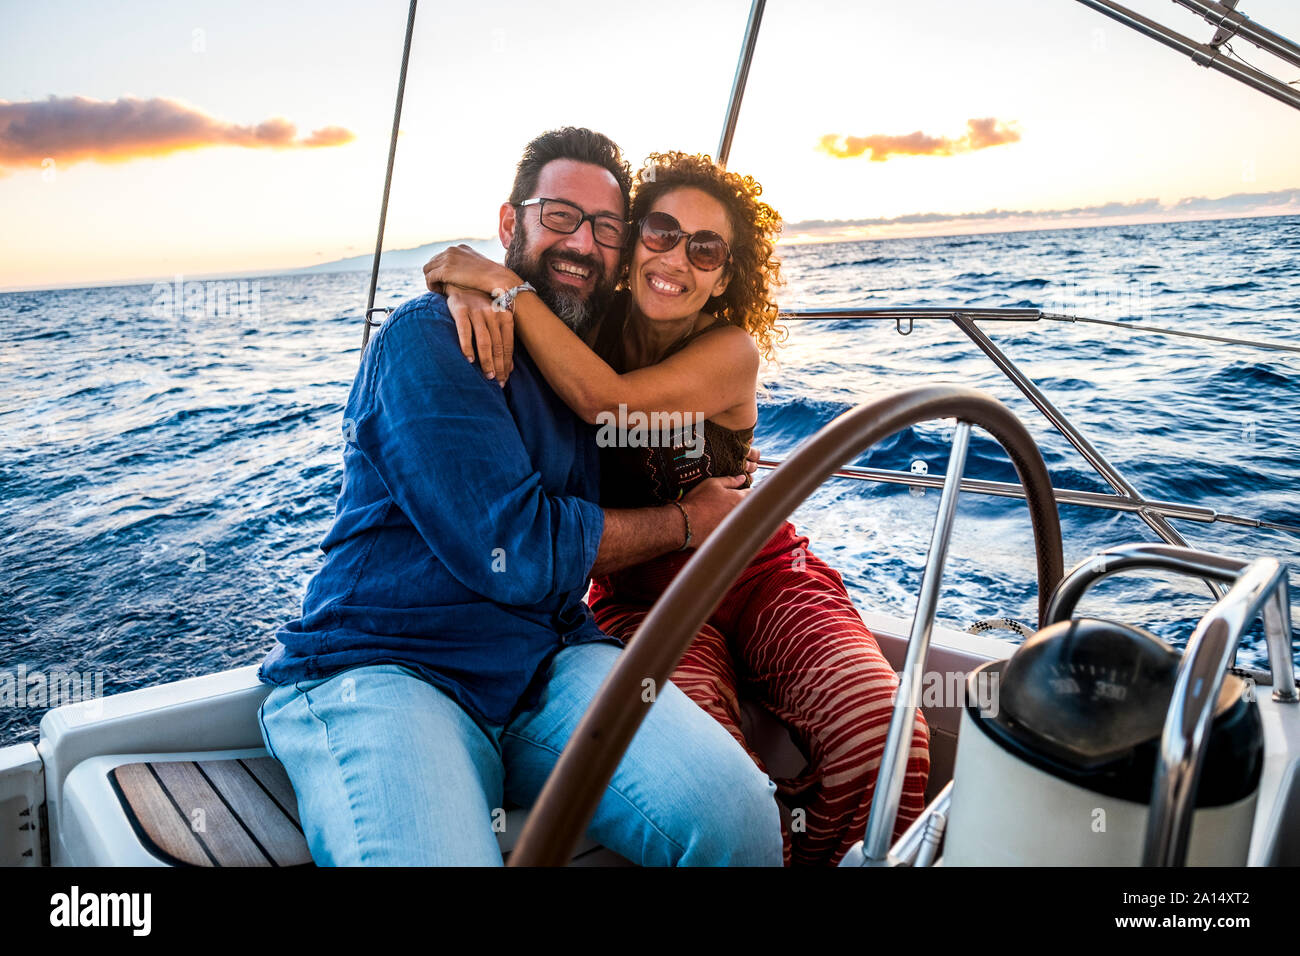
1241	59
1254	343
388	179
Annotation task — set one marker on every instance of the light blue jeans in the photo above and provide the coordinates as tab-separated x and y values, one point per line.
390	770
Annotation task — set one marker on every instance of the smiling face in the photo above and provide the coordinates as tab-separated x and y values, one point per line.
665	285
573	273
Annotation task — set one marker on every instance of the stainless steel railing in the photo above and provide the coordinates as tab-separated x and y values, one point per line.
738	84
1192	563
1065	496
893	760
1209	54
1186	735
1125	497
1229	23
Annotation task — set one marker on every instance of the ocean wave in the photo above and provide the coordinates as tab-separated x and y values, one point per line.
165	487
1245	286
871	261
1235	375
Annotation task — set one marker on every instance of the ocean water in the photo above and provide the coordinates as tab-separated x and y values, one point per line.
170	458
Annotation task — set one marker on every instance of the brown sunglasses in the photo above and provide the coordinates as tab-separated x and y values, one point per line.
705	249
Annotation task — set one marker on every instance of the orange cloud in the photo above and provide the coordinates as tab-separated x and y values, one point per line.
329	136
76	129
980	134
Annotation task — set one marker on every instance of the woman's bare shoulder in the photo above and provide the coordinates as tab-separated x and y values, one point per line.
724	335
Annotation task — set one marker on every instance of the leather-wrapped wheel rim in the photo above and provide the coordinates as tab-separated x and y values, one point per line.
569	799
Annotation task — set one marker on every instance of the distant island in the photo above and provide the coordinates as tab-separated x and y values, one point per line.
401	258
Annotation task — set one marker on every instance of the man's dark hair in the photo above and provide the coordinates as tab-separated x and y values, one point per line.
570	142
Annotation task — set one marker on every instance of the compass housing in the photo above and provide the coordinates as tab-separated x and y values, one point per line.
1086	700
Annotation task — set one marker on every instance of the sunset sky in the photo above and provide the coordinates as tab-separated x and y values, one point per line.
145	139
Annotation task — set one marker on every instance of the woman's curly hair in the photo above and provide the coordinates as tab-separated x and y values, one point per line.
755	271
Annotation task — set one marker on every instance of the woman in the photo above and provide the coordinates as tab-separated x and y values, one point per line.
686	333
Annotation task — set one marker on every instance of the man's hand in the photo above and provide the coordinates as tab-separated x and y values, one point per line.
711	501
751	460
633	535
481	322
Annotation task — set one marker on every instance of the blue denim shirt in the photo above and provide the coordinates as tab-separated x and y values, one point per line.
465	529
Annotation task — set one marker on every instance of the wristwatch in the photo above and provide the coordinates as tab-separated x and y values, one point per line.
505	301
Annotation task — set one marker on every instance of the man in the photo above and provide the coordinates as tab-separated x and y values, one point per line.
444	654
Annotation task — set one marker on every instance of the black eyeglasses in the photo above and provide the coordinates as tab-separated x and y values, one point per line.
560	216
705	249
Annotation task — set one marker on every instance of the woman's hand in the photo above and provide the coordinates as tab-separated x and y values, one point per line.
480	322
752	458
460	265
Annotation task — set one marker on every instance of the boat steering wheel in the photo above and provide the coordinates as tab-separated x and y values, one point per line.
568	800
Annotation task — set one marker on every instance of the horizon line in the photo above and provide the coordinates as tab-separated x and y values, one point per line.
810	240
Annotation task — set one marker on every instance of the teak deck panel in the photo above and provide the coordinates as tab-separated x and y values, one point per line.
213	812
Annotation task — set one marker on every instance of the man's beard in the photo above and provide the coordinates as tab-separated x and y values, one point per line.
574	309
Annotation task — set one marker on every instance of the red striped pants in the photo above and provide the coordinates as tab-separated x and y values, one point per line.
788	635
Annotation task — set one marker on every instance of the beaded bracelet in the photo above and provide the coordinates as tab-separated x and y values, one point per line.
687	519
